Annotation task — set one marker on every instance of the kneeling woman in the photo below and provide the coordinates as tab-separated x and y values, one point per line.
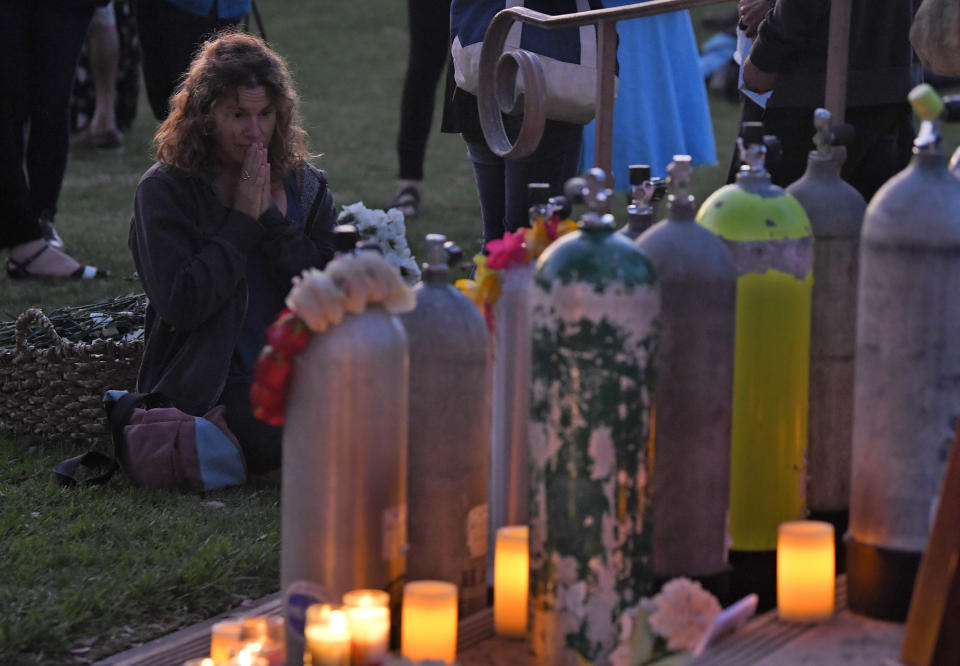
227	216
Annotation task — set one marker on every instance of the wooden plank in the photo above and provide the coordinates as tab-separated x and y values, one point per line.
188	643
932	635
606	58
838	47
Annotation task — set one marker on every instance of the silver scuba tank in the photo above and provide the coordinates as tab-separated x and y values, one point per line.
835	210
510	411
907	382
694	395
344	488
449	433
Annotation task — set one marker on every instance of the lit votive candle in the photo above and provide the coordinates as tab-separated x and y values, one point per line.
368	617
225	640
805	571
327	635
511	580
428	621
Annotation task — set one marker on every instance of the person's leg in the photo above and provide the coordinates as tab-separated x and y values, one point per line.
169	38
488	170
429	28
261	443
18	224
104	46
794	128
554	162
57	37
882	145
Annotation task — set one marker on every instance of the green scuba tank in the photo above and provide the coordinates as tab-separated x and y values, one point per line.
594	332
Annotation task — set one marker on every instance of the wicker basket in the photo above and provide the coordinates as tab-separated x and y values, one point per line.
51	388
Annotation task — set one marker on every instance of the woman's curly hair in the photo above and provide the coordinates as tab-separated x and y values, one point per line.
228	61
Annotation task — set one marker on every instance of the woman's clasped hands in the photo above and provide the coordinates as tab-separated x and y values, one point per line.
253	192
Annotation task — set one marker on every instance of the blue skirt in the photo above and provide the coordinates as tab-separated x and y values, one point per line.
661	108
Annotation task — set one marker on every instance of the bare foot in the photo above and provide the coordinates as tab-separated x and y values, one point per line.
50	262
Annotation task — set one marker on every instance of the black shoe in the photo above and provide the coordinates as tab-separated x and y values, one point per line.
20	270
408	201
50	234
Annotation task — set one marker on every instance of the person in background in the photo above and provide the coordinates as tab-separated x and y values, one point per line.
230	212
502	183
661	108
103	44
170	33
789	58
428	23
42	41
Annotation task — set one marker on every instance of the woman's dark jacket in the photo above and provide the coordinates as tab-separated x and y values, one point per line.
792	41
191	255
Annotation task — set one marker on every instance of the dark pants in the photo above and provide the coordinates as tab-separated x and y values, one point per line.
169	38
502	184
881	148
429	28
41	42
261	443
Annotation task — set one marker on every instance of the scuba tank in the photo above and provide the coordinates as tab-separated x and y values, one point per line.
835	210
768	235
644	192
594	335
448	433
694	397
344	489
509	478
907	391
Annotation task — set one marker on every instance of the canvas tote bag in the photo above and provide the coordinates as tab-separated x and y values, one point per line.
568	56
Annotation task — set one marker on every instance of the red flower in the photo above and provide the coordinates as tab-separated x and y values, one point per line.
272	370
288	334
271	417
266	398
506	251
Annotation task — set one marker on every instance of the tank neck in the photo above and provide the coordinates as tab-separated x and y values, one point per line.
927	160
436	275
819	165
681	209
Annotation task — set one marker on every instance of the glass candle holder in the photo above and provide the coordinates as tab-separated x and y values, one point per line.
511	581
368	617
428	622
226	640
327	635
806	575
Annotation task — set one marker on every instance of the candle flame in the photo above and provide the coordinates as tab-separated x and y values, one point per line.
245	658
338	622
208	662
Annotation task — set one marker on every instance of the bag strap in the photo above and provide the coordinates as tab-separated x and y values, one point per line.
119	406
256	17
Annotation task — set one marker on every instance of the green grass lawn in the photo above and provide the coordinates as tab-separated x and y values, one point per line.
89	572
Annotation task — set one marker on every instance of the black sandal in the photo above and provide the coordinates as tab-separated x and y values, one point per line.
18	270
408	201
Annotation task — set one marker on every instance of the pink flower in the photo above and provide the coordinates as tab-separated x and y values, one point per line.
507	251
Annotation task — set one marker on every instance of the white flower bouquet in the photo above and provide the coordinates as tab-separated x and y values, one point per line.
388	231
676	625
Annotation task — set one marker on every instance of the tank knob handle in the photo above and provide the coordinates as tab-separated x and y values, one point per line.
756	147
454	253
560	205
680	169
345	238
594	192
